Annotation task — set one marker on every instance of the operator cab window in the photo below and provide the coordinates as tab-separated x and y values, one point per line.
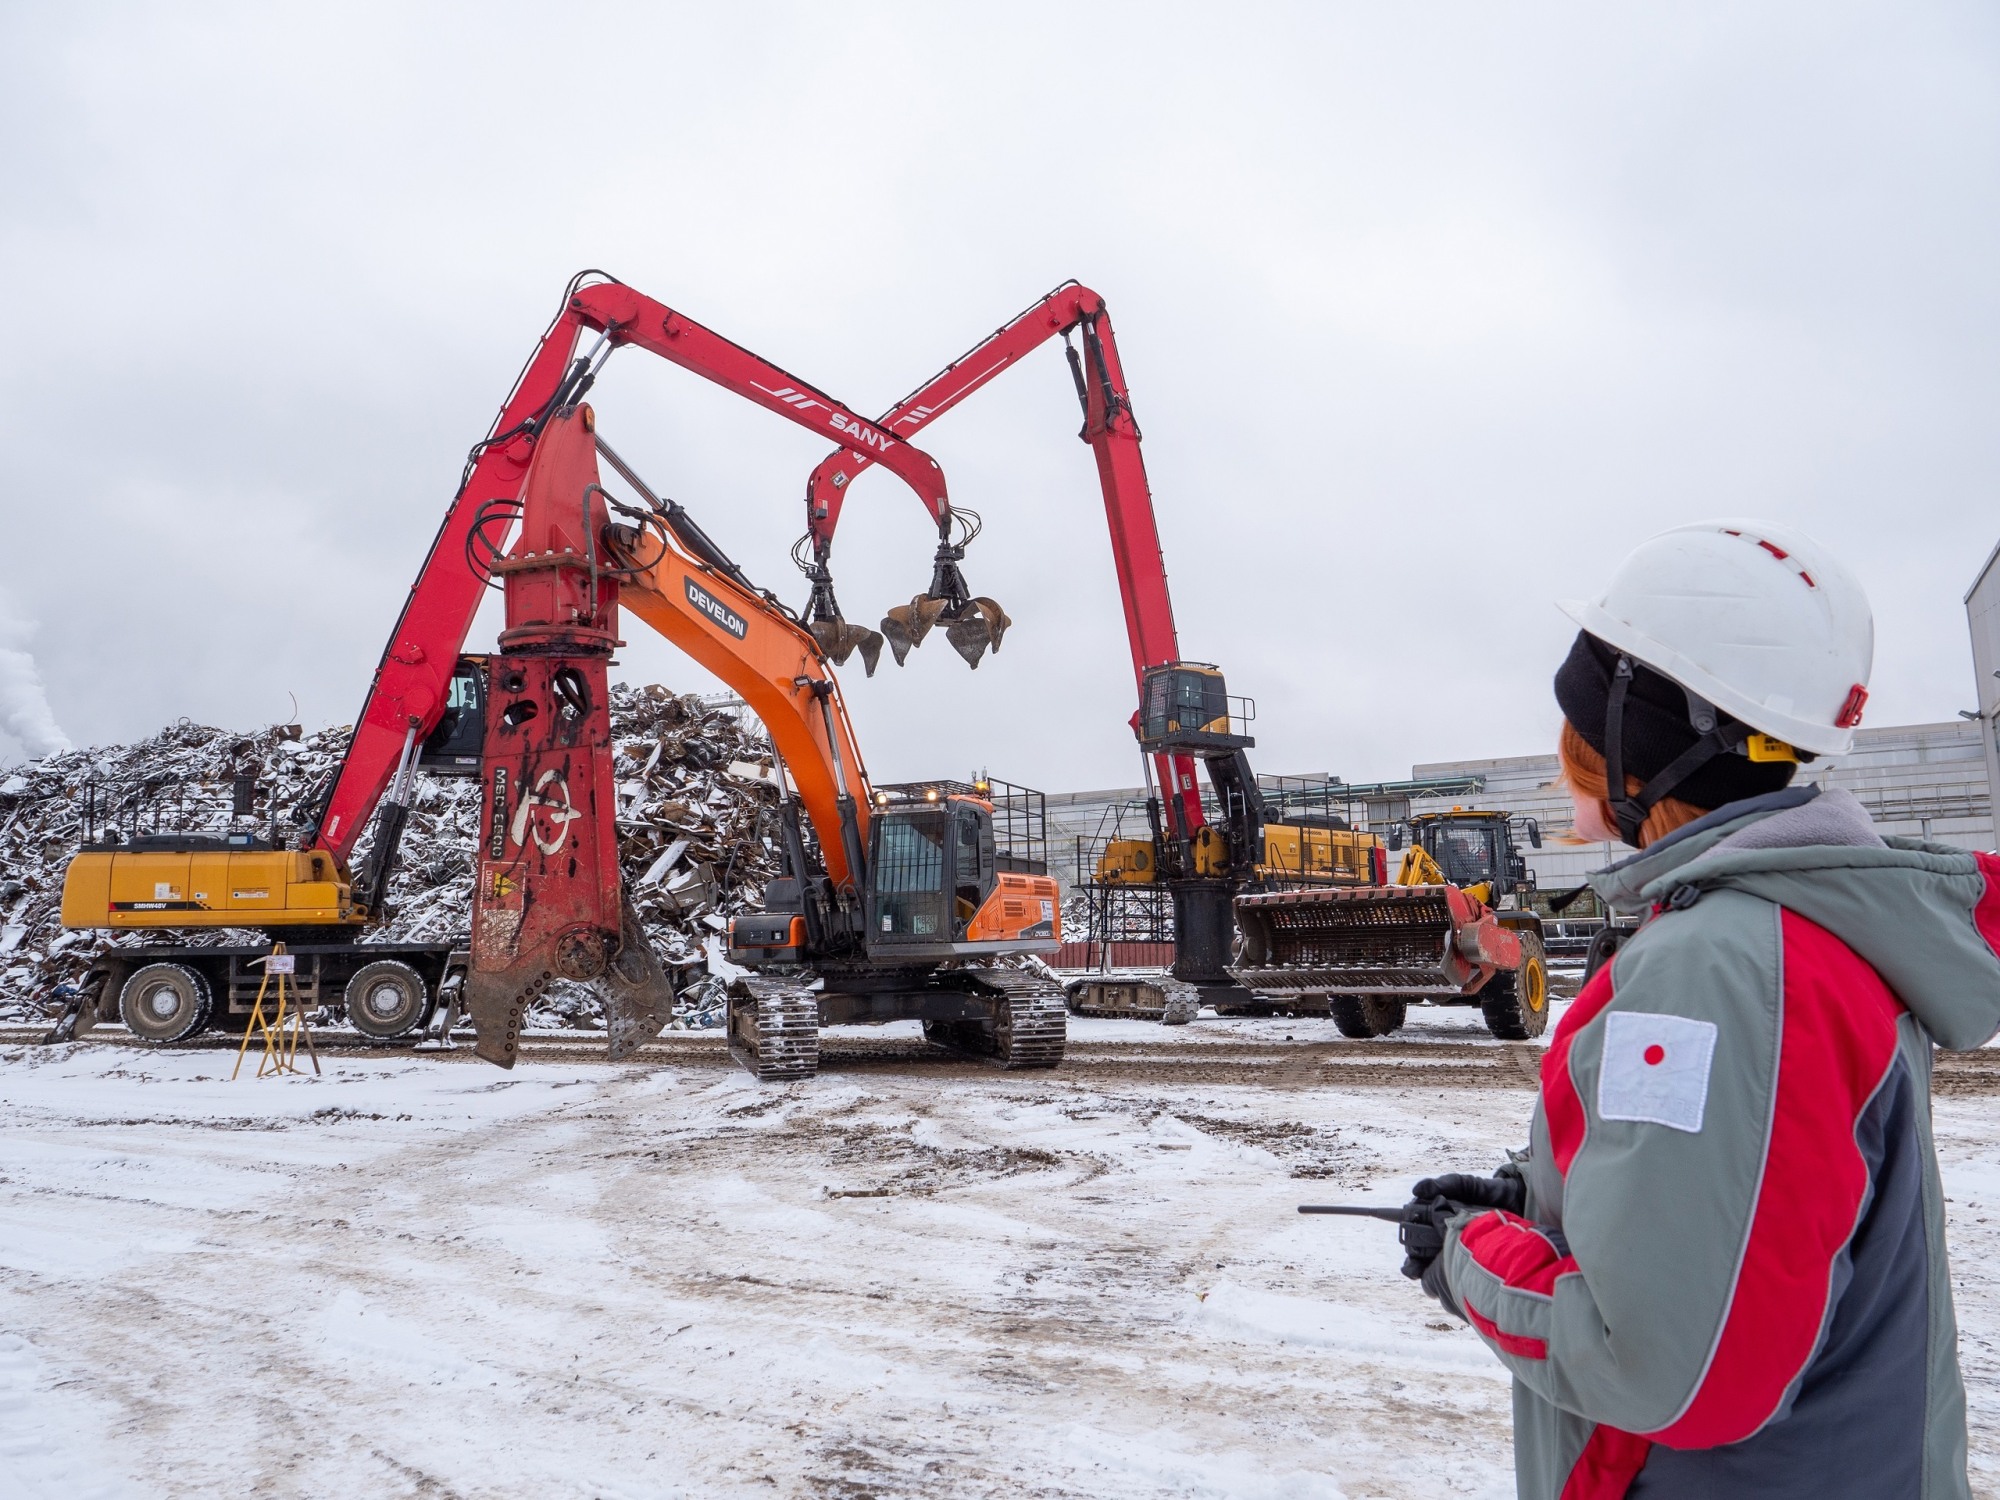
909	874
1465	854
454	746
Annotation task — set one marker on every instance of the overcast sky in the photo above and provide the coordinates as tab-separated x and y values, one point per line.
1430	313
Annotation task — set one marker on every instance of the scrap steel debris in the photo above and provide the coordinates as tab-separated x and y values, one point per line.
697	824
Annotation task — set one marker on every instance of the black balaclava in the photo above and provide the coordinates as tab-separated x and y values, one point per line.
1657	732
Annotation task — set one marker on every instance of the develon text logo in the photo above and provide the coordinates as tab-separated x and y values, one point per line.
715	609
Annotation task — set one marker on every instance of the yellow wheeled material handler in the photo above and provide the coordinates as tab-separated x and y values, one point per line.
1454	929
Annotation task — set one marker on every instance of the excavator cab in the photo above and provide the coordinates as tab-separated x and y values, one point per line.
973	872
1185	708
939	885
911	899
934	868
454	747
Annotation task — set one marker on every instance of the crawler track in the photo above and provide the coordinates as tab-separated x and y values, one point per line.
1031	1031
1035	1033
1179	1002
773	1030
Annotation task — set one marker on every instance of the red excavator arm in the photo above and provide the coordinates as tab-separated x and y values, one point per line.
1113	435
548	899
408	694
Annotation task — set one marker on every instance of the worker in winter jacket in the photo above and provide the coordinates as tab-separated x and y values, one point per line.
1718	1269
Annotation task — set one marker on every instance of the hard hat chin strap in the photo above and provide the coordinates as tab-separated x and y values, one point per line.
1719	736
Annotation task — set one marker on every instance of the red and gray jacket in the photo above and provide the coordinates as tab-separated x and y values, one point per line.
1731	1278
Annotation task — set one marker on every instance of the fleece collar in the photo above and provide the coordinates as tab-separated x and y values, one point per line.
1623	885
1922	915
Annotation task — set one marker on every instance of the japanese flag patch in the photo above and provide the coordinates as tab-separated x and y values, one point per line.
1655	1069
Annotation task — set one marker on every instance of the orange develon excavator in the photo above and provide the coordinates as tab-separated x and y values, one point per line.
902	902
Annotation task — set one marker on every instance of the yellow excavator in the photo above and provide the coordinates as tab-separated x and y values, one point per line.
1455	928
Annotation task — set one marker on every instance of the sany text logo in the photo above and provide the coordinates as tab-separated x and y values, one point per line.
856	430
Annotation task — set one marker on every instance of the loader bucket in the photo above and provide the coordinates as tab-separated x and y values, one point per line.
1368	940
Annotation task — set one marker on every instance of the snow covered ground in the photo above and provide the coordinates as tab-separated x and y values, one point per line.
417	1276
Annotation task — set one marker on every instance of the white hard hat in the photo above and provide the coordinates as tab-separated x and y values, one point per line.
1757	618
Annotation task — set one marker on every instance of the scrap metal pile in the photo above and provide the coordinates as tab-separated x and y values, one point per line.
696	823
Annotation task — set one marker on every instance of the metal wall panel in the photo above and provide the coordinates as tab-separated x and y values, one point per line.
1982	618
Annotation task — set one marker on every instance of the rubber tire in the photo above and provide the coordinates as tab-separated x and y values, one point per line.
1364	1016
369	981
1509	999
194	1003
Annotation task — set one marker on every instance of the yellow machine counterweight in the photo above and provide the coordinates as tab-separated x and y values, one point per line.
216	882
1308	854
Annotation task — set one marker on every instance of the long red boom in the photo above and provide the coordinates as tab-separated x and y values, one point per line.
407	697
1114	438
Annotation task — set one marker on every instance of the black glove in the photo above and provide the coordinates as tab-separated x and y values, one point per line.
1438	1287
1434	1201
1504	1189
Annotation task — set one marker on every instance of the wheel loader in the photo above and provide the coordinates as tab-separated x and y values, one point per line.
1453	929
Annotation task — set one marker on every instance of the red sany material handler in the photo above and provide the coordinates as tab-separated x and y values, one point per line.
1112	432
548	903
1184	712
408	695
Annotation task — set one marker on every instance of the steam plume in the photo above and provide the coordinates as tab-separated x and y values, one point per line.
24	705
